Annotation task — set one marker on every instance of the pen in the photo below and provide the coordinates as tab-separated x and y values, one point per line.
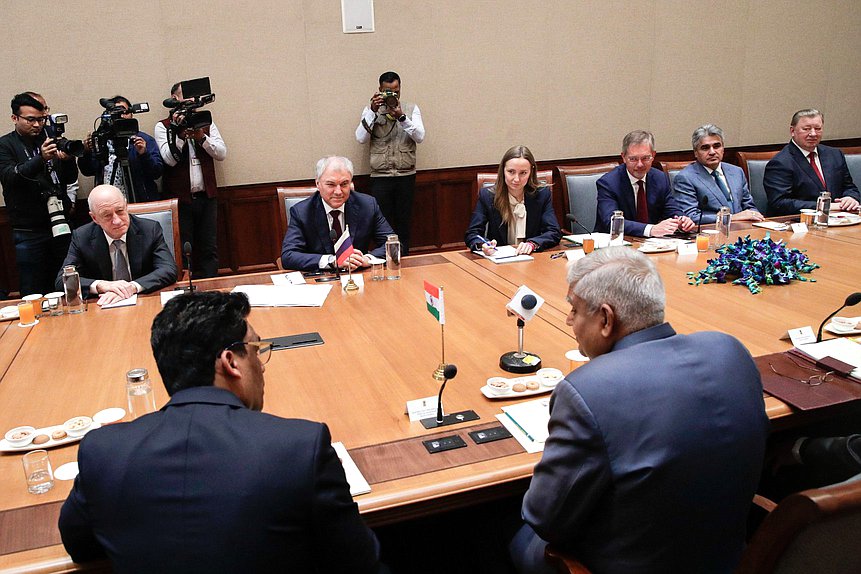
557	255
523	430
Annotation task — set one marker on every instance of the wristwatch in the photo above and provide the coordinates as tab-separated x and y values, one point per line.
402	118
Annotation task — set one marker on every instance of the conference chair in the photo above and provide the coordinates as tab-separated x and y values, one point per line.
287	198
486	179
672	169
853	160
753	164
166	214
579	184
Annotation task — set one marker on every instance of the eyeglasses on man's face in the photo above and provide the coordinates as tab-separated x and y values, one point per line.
33	119
264	349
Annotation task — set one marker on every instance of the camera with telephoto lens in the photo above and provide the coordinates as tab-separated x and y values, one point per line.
59	225
115	128
55	129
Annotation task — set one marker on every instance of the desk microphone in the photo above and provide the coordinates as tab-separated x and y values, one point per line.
186	249
851	301
449	372
524	305
570	217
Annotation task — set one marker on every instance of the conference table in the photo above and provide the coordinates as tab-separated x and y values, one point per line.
381	346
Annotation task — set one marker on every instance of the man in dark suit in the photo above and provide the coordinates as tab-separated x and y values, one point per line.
804	168
308	244
118	255
208	483
640	191
645	469
708	184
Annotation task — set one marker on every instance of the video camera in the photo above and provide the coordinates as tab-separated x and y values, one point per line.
196	94
55	129
112	126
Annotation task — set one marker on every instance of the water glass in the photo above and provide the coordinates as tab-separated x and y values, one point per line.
37	469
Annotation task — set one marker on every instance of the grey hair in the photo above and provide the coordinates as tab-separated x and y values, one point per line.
704	132
333	160
624	279
806	113
637	137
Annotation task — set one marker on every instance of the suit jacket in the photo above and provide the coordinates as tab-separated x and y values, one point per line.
616	192
834	458
542	228
792	185
150	261
653	469
145	169
207	485
700	198
307	237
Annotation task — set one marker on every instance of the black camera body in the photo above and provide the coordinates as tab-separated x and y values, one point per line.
186	113
55	129
390	99
114	127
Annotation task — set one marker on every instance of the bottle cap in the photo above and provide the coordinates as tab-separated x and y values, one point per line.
137	375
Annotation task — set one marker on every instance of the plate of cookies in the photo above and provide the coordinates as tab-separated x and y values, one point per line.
543	381
27	438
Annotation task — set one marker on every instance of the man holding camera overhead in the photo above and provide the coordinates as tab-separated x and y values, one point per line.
101	161
189	152
393	128
34	172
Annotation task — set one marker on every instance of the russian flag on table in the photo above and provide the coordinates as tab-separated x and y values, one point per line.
344	246
434	300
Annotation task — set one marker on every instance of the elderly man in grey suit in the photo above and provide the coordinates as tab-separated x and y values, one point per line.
708	184
656	444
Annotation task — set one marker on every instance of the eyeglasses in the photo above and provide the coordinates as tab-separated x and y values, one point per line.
644	159
812	380
264	349
34	120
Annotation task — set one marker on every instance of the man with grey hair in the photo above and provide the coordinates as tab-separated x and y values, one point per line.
804	168
117	254
708	184
655	445
316	223
641	192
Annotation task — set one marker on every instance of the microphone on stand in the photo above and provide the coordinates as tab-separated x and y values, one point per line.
449	372
850	301
186	249
524	305
570	217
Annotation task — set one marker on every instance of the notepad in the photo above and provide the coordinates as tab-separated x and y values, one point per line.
355	478
505	254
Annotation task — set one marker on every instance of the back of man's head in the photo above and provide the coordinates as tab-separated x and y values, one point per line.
25	99
191	331
624	279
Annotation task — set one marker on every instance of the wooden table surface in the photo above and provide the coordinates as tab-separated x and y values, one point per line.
381	346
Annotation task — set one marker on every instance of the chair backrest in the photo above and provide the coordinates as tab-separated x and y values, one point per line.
853	160
486	179
814	531
672	169
579	184
166	214
753	164
287	198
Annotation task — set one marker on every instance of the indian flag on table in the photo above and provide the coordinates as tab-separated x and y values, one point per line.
433	298
344	247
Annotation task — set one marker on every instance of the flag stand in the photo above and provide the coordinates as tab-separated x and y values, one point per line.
350	285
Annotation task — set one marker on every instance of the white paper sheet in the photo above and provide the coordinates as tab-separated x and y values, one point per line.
357	482
841	349
285	295
133	300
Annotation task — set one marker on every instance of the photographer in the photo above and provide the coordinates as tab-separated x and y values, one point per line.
34	174
393	128
144	160
189	155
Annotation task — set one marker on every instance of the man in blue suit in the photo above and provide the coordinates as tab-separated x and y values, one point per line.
654	454
209	483
708	184
640	191
804	168
316	223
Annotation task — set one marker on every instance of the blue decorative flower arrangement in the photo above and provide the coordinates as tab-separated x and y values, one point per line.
755	262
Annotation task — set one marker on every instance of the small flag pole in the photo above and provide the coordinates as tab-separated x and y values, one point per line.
439	373
350	285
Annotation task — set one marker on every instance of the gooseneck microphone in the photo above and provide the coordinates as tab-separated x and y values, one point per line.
186	249
850	301
570	217
448	372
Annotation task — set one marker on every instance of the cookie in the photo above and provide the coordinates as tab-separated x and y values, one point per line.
59	434
518	387
532	385
41	439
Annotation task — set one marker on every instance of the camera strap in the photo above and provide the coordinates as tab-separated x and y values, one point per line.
171	143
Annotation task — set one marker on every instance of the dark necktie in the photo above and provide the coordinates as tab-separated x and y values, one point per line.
336	223
815	167
121	266
642	206
720	183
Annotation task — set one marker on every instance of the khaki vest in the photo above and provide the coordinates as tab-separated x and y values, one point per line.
393	152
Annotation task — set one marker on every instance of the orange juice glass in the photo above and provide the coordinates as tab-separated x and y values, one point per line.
26	314
588	245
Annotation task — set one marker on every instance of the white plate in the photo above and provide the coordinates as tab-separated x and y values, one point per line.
837	331
657	247
66	471
6	447
843	219
8	313
542	389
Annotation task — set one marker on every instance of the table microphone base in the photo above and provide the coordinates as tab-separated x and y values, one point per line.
450	419
187	288
516	362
